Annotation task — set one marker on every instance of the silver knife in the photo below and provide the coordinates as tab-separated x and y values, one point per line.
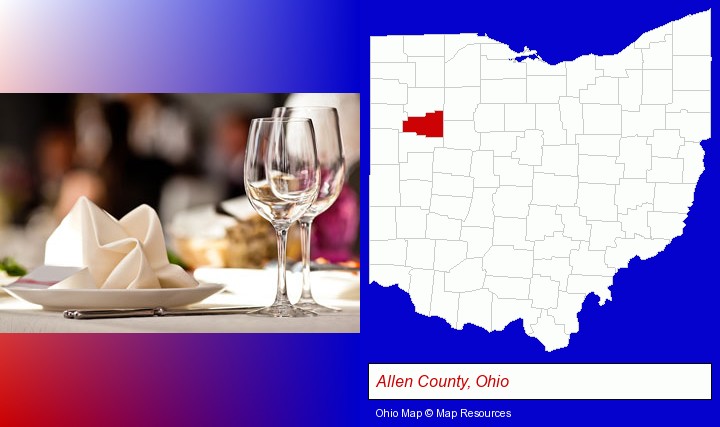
297	267
330	267
153	312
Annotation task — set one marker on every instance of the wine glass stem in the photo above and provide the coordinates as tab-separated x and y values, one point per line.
305	229
281	296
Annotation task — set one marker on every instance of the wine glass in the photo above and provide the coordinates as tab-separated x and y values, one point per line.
281	181
331	160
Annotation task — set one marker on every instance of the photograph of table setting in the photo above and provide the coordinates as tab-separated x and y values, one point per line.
179	213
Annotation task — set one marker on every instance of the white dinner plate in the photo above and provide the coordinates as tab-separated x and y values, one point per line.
5	280
258	287
65	299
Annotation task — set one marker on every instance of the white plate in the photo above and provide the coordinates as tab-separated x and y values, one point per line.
258	287
64	299
5	280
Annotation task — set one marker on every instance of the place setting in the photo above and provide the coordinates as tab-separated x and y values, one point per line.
99	267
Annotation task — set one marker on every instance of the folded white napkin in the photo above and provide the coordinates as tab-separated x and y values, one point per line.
125	254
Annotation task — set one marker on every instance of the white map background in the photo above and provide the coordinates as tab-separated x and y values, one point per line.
549	178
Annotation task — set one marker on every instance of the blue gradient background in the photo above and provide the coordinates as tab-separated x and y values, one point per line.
663	309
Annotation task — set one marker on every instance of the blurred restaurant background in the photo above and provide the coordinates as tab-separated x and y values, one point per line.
182	154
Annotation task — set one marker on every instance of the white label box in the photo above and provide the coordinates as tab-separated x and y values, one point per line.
547	381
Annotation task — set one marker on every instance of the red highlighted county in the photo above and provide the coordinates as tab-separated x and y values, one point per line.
430	125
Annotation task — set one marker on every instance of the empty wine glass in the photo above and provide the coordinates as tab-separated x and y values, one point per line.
331	160
281	181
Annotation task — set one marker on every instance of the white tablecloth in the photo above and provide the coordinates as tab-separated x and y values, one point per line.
20	316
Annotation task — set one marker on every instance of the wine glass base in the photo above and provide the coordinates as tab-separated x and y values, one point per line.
316	307
282	310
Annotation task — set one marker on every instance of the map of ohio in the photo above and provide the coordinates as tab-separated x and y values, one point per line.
503	187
